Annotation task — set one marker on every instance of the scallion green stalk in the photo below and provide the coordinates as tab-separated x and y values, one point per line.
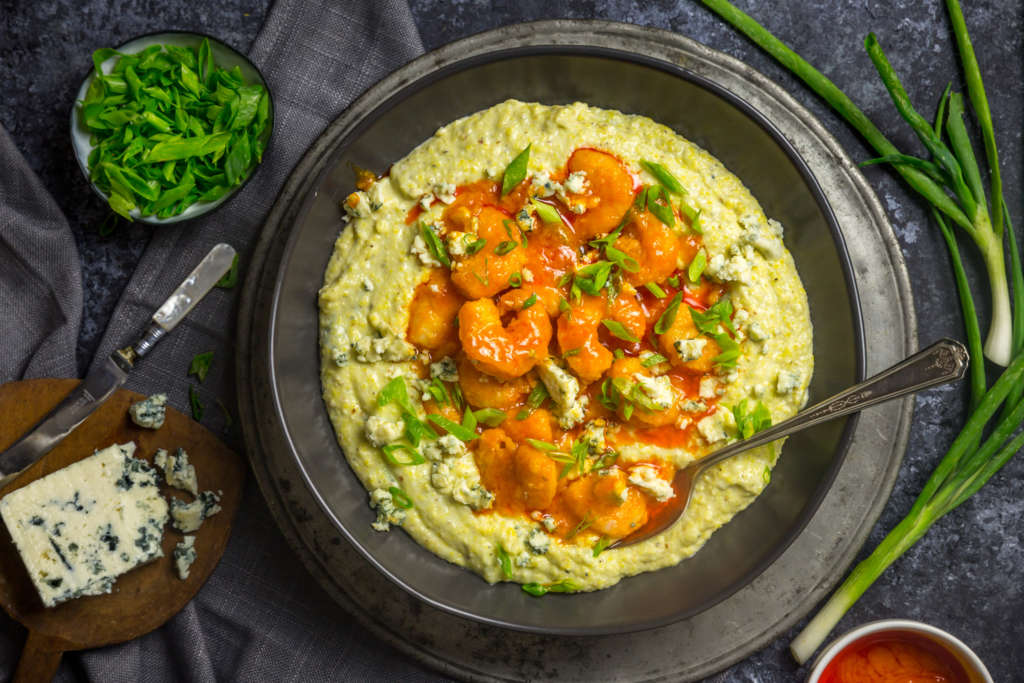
951	181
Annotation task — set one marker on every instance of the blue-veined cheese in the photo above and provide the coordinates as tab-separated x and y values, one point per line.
178	472
150	412
79	528
188	517
184	555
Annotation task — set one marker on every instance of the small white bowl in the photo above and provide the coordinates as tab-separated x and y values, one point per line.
976	671
225	56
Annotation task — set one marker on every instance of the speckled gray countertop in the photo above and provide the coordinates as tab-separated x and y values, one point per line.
967	574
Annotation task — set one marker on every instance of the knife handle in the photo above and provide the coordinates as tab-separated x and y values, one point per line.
182	300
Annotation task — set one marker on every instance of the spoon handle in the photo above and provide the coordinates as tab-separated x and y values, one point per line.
943	361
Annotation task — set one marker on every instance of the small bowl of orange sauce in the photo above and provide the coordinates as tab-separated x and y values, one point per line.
898	651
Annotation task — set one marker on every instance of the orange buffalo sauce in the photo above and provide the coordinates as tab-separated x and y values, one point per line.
508	303
894	657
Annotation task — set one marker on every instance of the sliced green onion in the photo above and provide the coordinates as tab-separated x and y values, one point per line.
515	172
669	315
200	365
619	330
453	428
653	360
664	177
546	212
413	456
505	562
505	247
435	245
654	289
400	497
492	417
697	266
662	211
194	403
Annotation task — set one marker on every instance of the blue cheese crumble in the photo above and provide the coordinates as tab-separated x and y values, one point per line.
646	478
381	431
188	517
657	389
387	512
82	526
564	390
149	413
184	555
445	370
787	381
178	472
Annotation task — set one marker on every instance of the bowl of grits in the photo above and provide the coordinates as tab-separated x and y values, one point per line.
514	295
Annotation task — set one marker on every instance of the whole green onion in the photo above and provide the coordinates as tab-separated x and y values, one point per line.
951	181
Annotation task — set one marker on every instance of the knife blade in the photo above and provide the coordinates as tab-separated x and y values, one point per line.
103	380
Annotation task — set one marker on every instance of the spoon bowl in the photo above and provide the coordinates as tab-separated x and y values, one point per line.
944	361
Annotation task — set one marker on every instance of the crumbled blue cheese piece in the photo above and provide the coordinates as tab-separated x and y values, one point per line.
466	486
380	430
420	250
447	446
441	476
188	517
646	478
690	349
787	381
594	437
657	389
692	406
656	369
184	555
459	243
549	523
387	512
543	185
178	472
445	192
79	528
527	275
388	348
708	387
445	370
765	237
524	219
564	390
735	268
149	413
756	332
576	182
713	427
538	542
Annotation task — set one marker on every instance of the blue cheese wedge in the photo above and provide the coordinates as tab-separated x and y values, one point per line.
149	413
81	527
188	517
184	556
178	472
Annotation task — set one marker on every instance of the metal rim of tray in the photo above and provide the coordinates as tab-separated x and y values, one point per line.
795	582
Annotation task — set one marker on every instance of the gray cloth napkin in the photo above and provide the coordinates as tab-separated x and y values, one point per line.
260	617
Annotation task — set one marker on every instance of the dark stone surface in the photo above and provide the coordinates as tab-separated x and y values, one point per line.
967	574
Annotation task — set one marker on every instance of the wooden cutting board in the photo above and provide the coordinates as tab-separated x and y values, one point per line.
146	597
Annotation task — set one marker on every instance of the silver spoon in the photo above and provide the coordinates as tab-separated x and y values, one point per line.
942	362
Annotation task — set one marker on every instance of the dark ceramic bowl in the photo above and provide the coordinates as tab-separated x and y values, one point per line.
751	148
224	56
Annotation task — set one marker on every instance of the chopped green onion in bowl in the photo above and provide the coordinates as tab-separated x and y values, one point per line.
168	126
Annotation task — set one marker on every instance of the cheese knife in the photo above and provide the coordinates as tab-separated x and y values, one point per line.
104	379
